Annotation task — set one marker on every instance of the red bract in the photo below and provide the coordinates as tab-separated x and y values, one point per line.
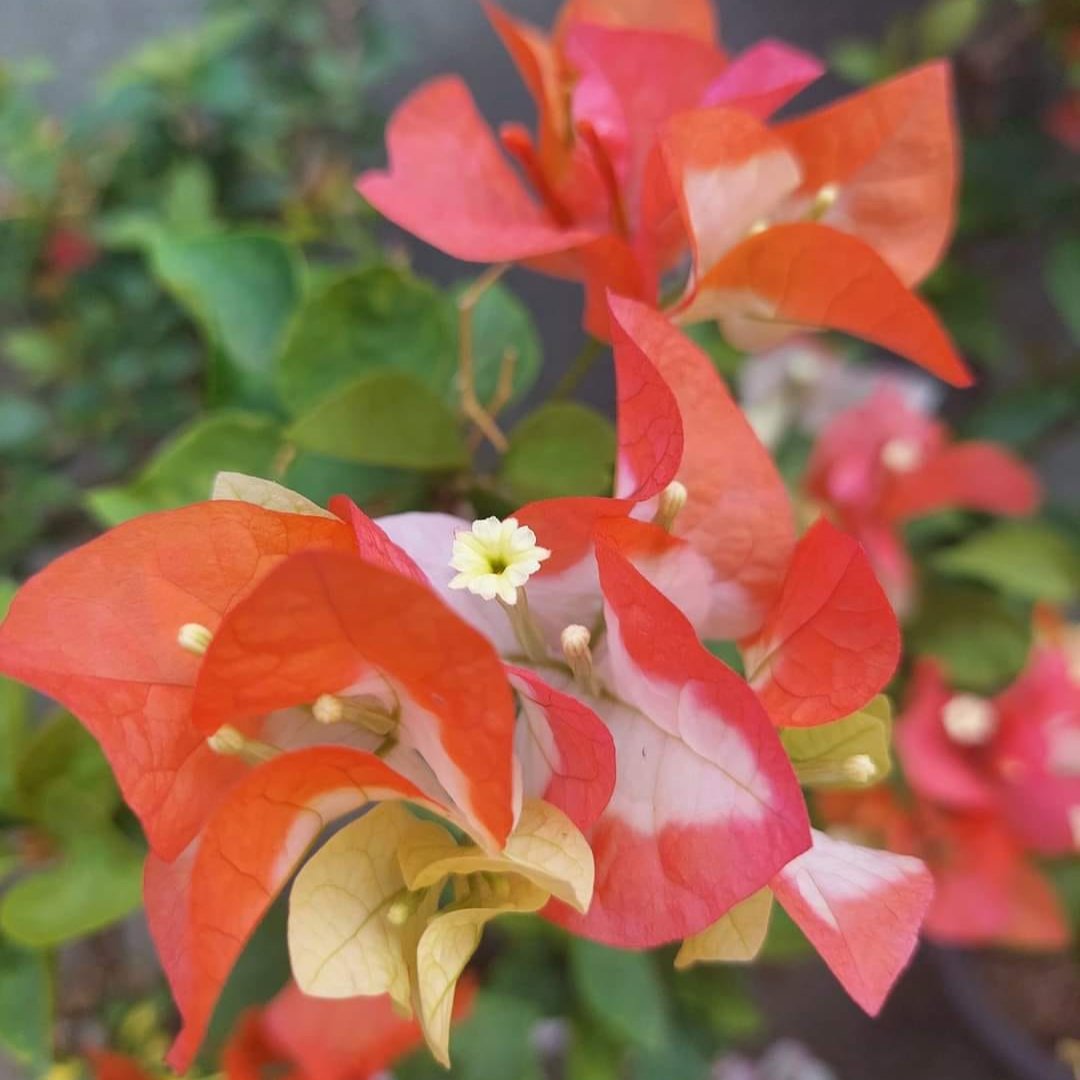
987	890
700	770
322	1039
97	630
883	463
1015	757
817	633
651	144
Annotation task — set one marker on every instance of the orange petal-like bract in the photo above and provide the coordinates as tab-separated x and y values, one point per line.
891	151
204	906
722	812
97	630
805	275
831	641
691	18
450	185
321	621
738	513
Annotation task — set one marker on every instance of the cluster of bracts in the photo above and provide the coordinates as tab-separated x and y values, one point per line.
529	704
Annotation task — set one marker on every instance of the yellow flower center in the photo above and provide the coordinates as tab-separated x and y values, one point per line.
496	558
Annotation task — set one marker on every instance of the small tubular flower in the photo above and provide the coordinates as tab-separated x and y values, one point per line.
496	558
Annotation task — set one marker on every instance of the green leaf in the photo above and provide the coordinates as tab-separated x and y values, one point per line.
502	323
622	991
261	971
375	318
23	421
189	197
1031	560
593	1054
493	1043
980	639
859	62
64	782
183	469
561	449
819	753
97	883
1062	274
945	25
14	719
384	418
242	290
25	1007
1023	415
677	1057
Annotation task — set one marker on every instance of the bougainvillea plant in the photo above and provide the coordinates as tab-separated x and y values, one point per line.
600	710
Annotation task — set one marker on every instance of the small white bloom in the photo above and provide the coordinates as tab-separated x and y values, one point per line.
901	455
495	558
969	720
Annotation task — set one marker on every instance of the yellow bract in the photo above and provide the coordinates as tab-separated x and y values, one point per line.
736	938
264	493
392	904
544	847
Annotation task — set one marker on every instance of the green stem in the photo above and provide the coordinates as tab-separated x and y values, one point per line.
577	371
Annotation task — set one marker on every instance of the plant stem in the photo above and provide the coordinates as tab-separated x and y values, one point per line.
577	371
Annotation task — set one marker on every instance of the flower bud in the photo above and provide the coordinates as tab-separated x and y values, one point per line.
194	638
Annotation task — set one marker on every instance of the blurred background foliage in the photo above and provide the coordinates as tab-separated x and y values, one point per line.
188	284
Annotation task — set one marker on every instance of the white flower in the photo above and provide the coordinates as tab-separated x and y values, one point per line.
496	558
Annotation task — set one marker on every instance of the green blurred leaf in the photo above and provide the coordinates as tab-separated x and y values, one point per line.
859	62
242	290
189	197
64	782
14	718
823	750
1022	415
22	422
380	317
377	489
98	881
1031	560
727	651
502	323
25	1007
1062	273
493	1043
261	971
183	469
981	640
622	991
561	449
384	418
593	1054
944	25
676	1058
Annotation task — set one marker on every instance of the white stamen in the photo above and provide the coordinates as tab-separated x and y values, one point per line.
805	369
860	769
229	742
824	201
397	914
194	638
759	226
496	558
901	455
575	640
331	709
969	720
672	500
